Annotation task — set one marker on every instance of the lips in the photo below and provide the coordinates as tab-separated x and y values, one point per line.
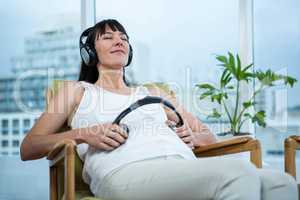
118	51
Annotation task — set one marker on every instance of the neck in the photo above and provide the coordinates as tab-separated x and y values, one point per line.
111	78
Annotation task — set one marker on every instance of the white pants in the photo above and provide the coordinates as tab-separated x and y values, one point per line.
172	177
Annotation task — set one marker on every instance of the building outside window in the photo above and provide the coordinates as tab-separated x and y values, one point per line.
15	143
16	126
4	143
26	123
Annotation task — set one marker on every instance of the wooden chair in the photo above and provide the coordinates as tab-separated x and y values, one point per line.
66	167
291	144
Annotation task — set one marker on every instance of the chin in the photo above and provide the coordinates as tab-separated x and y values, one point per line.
119	65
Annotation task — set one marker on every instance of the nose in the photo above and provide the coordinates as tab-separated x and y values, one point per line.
119	41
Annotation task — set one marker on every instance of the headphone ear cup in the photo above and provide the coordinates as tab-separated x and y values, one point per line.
130	55
93	56
88	55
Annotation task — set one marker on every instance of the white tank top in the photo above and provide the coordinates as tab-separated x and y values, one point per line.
149	136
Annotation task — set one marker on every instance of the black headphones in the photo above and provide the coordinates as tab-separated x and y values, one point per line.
88	53
141	102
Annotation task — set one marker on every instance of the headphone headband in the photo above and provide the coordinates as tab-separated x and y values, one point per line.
148	100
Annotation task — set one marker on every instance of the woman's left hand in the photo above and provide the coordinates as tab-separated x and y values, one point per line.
184	132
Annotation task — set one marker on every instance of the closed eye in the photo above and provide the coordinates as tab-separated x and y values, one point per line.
105	38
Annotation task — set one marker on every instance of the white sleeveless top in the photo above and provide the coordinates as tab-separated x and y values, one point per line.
148	137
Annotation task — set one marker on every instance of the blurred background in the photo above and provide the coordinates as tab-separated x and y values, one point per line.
174	41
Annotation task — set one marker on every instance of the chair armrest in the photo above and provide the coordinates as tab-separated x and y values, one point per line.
231	146
63	154
291	144
296	138
61	150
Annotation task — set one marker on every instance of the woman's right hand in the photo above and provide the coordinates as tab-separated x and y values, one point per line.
105	136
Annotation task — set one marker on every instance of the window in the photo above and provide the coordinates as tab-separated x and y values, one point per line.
4	132
25	131
16	126
26	123
4	123
4	143
15	143
15	123
277	46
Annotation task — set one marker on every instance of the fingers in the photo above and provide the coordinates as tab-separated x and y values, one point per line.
104	146
181	128
111	142
115	136
170	123
118	129
191	145
187	139
184	133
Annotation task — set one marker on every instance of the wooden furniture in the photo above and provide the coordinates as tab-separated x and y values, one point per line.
291	144
66	167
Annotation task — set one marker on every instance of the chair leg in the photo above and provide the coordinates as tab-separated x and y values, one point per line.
70	173
290	156
53	183
255	154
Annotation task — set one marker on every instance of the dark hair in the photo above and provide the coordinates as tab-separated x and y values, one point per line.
90	73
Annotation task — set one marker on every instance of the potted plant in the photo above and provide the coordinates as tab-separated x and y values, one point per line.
233	75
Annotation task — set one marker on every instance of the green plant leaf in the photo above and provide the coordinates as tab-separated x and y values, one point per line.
239	67
259	118
218	97
206	94
288	80
248	67
269	77
248	115
206	86
222	59
230	87
231	65
247	104
215	114
231	59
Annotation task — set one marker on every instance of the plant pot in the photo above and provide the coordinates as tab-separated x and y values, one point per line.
233	134
230	134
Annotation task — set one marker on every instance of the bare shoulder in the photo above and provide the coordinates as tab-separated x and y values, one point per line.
77	90
68	94
159	91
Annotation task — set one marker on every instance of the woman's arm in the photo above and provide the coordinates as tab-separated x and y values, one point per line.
41	138
201	134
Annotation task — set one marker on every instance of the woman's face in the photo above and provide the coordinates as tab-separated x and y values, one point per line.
112	49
